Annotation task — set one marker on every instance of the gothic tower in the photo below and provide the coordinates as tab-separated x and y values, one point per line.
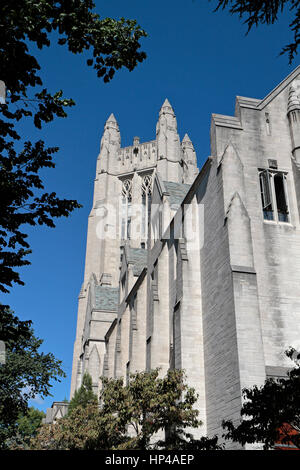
118	222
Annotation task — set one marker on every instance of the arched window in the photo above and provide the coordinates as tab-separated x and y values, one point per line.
146	203
126	208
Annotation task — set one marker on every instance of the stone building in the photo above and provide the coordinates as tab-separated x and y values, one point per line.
194	269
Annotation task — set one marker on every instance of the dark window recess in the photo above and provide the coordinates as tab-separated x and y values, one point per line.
272	163
282	208
121	253
160	226
268	123
123	283
126	209
123	218
128	228
149	206
129	219
144	214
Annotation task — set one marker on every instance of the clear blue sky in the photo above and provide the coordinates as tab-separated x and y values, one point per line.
200	60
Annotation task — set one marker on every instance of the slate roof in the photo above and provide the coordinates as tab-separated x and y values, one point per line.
139	258
177	192
106	298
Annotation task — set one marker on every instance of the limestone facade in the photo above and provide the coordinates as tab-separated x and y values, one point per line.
193	269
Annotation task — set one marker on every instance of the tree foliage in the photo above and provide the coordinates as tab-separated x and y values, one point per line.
29	423
84	395
266	12
129	417
78	430
270	412
111	45
27	426
27	372
149	404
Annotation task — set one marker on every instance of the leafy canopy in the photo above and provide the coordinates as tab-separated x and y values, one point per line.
111	45
27	372
266	12
78	430
27	426
84	395
150	403
29	423
270	412
130	416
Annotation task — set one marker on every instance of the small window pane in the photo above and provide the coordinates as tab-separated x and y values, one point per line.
265	189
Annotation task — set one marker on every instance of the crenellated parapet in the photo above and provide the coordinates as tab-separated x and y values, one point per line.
138	156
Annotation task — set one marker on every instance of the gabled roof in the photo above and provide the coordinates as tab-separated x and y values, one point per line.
106	298
137	256
261	104
278	89
176	192
253	103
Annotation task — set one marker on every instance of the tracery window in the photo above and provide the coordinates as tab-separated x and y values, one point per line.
274	195
146	203
126	209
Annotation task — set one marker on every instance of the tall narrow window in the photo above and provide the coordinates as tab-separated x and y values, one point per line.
126	209
268	123
282	209
274	195
146	203
265	189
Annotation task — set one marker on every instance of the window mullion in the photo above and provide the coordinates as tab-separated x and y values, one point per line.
286	197
273	197
126	219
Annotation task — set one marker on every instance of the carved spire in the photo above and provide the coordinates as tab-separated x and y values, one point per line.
166	131
110	143
166	108
187	141
293	100
189	160
111	122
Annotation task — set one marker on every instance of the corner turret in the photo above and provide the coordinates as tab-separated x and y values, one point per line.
293	112
189	160
168	144
110	144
